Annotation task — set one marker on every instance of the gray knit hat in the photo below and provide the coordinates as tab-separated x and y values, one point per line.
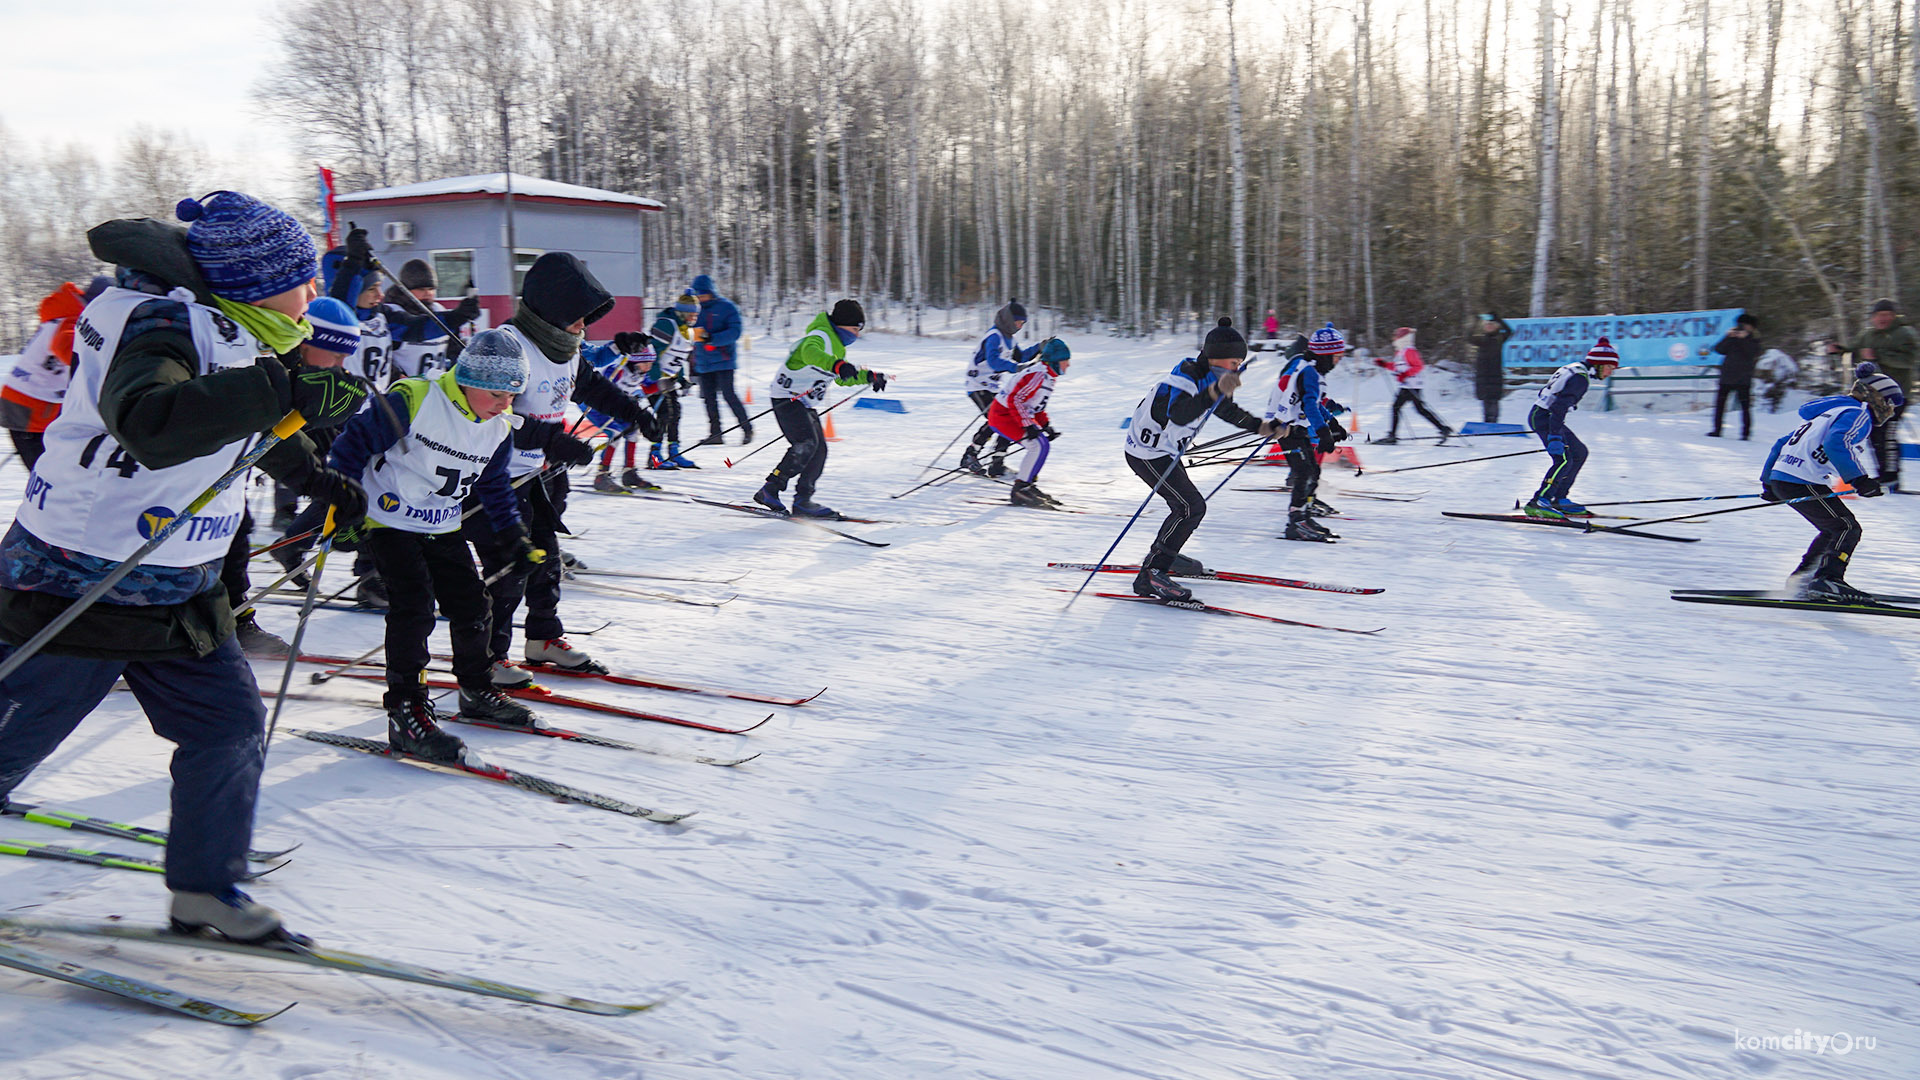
492	360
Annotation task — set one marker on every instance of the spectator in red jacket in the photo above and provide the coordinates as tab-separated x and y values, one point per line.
1409	375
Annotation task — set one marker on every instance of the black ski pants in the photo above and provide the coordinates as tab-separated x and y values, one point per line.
1303	464
1186	507
1828	555
983	400
806	452
1490	410
1886	447
208	707
1743	391
540	587
713	386
666	412
1410	396
420	569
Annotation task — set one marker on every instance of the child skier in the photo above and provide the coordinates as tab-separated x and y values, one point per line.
351	279
1836	440
458	429
995	356
818	358
1548	419
672	344
1019	412
624	361
33	383
1297	409
1409	374
1164	423
420	341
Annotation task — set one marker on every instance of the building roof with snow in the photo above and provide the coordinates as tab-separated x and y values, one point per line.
491	185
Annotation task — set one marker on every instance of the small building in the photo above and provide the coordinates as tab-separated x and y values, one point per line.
460	226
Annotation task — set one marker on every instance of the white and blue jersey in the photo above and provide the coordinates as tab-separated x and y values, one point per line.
1834	441
1560	396
1167	419
1295	400
994	358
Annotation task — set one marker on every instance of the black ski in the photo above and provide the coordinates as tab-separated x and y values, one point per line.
535	784
1195	605
1842	606
1222	575
1568	523
761	511
1778	594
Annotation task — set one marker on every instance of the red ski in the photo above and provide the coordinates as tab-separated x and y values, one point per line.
1195	605
1225	575
617	680
541	693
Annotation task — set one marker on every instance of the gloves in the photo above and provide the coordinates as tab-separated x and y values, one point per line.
1327	443
337	489
629	342
325	396
1339	433
1052	435
358	250
465	311
1868	487
1556	445
644	422
566	451
1767	493
521	551
877	380
1034	432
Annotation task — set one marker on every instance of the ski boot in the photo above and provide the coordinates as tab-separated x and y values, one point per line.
371	593
1445	434
230	914
712	439
635	482
657	460
604	481
1389	439
257	642
1302	527
507	675
413	728
1539	507
970	461
561	654
1570	508
1317	508
677	460
1026	494
489	706
805	507
769	497
1834	589
998	468
1154	582
1187	566
290	557
570	562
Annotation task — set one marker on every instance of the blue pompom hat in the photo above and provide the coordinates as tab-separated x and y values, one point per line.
492	360
1327	341
335	327
246	249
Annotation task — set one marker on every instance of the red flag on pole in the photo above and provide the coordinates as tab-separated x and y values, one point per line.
326	207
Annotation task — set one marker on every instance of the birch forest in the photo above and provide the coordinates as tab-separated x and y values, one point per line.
1139	165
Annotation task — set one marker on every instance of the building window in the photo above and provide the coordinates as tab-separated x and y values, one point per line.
454	269
522	262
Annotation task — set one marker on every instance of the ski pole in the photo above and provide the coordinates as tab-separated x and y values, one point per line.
361	660
1690	498
288	426
280	543
1455	435
731	463
254	599
300	629
1728	510
1462	461
943	450
1243	464
1173	462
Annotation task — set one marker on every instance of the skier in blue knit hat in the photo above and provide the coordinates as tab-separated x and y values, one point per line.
178	369
457	427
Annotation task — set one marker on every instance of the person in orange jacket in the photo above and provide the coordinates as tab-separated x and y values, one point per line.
35	382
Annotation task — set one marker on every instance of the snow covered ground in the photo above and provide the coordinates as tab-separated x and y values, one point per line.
1547	824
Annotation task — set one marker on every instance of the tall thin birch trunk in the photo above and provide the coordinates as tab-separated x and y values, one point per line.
1549	167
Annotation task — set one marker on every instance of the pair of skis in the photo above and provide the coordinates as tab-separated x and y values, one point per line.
18	957
1226	576
1899	607
1573	523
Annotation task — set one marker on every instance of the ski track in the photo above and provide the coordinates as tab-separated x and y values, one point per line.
1547	825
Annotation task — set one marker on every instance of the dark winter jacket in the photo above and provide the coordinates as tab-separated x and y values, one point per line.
721	321
1171	406
1741	354
1489	377
1896	349
154	404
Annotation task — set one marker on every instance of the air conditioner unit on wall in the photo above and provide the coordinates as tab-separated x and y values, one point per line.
399	232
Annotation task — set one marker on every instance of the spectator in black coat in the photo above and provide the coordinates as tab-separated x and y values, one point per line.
1489	377
1741	350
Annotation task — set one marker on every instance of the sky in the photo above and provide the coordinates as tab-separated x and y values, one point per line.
89	71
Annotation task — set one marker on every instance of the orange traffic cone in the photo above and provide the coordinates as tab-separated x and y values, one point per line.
826	427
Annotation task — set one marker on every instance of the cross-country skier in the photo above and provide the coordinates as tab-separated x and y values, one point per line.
1019	412
350	278
33	384
175	375
1836	440
992	360
818	359
1163	424
672	345
624	361
420	342
1409	376
1297	408
559	299
458	430
1548	419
